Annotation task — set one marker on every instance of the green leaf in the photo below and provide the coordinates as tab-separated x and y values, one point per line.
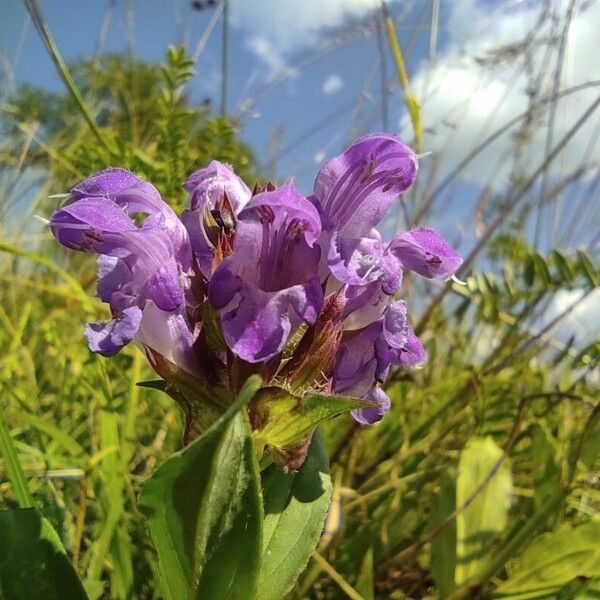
587	267
153	384
365	584
554	560
563	267
542	268
484	481
205	513
295	508
443	547
529	271
33	562
545	466
282	419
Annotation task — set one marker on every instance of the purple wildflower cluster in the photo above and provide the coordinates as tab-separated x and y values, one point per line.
302	290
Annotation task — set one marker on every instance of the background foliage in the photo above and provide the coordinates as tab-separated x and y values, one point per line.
481	482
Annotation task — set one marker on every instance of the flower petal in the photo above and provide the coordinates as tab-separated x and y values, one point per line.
258	326
104	183
107	338
356	361
426	252
208	185
356	261
370	415
412	353
395	324
170	335
355	189
80	225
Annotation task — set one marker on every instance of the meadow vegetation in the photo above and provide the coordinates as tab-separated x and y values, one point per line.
482	481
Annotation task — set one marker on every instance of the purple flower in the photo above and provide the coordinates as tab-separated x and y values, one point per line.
269	285
141	267
217	194
353	193
366	355
241	278
370	415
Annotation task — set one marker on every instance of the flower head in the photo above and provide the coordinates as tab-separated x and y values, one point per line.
303	291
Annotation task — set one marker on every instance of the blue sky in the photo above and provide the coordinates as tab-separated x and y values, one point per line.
465	86
326	90
336	95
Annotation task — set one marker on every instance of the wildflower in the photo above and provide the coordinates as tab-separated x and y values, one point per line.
141	266
353	192
302	290
269	286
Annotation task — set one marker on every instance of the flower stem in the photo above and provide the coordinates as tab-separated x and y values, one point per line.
42	27
13	467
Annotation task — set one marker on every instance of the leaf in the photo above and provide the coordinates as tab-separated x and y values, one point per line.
282	419
587	267
365	584
529	271
554	560
485	516
205	513
542	268
563	267
154	384
295	508
443	547
33	562
545	466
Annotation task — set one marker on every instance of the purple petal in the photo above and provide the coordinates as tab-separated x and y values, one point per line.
368	416
425	251
224	285
104	183
203	249
286	208
208	185
164	288
395	324
108	202
356	261
274	245
258	327
412	353
113	278
356	361
170	335
355	189
81	225
107	338
364	305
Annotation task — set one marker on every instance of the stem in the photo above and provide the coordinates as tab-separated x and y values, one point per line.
342	583
225	59
42	27
13	467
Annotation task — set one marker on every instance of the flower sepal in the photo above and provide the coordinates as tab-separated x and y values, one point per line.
203	401
283	422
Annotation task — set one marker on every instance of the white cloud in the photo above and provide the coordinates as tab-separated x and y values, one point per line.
583	321
283	27
263	49
469	91
332	85
319	157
